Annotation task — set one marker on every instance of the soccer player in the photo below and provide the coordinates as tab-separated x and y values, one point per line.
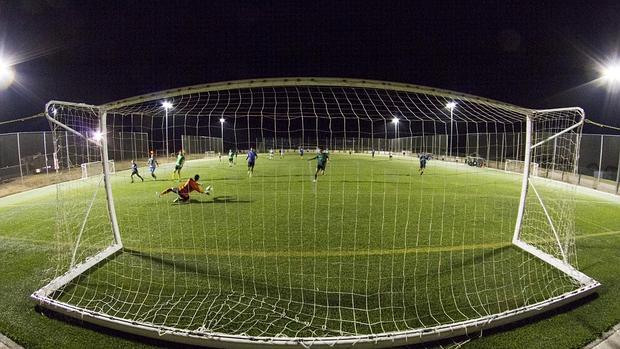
321	161
152	165
270	154
179	164
373	152
134	171
219	155
301	152
390	155
251	158
236	153
423	158
281	153
231	157
183	190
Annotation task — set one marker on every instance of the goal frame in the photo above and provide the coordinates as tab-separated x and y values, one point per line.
387	339
532	173
84	167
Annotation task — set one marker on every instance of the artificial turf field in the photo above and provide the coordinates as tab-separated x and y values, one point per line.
372	247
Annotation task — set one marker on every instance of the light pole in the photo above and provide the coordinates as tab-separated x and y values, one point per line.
450	106
222	121
167	106
395	122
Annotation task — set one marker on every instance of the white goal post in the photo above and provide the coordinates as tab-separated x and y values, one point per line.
518	167
341	263
95	168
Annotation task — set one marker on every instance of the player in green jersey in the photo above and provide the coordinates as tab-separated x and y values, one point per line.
231	157
321	162
179	164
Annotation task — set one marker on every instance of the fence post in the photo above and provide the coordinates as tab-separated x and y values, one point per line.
600	164
120	136
19	157
45	153
618	174
67	148
555	144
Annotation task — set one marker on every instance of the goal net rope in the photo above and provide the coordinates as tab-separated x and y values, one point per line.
375	249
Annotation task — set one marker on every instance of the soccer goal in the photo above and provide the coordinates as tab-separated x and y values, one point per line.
519	165
321	246
90	169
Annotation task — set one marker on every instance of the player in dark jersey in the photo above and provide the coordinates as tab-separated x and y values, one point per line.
134	171
321	162
251	158
423	158
183	190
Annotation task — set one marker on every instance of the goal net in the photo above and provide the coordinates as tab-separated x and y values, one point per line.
90	169
341	213
519	165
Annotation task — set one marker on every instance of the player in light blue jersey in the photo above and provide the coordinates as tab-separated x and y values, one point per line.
153	164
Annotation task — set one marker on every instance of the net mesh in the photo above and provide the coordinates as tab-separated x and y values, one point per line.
376	244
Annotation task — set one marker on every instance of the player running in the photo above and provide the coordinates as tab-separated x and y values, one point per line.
321	162
423	158
153	164
373	152
251	158
179	164
231	157
270	154
134	171
183	191
301	152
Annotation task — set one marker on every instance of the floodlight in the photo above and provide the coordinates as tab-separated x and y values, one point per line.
611	73
167	105
395	121
450	105
222	120
97	135
7	74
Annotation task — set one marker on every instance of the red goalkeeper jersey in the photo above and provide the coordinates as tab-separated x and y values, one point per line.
190	186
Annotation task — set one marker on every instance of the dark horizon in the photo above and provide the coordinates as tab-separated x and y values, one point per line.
537	56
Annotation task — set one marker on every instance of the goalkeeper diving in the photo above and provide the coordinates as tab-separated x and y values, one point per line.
321	162
183	190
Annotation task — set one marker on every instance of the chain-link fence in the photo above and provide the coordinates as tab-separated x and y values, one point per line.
27	154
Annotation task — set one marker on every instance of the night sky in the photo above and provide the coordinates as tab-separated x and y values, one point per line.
537	54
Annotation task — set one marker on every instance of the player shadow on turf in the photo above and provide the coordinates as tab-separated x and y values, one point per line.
222	199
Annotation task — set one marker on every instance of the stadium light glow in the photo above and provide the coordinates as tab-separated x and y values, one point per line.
97	135
395	121
611	73
222	120
7	74
167	105
450	105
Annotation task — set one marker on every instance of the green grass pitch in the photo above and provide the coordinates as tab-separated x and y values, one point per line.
371	247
